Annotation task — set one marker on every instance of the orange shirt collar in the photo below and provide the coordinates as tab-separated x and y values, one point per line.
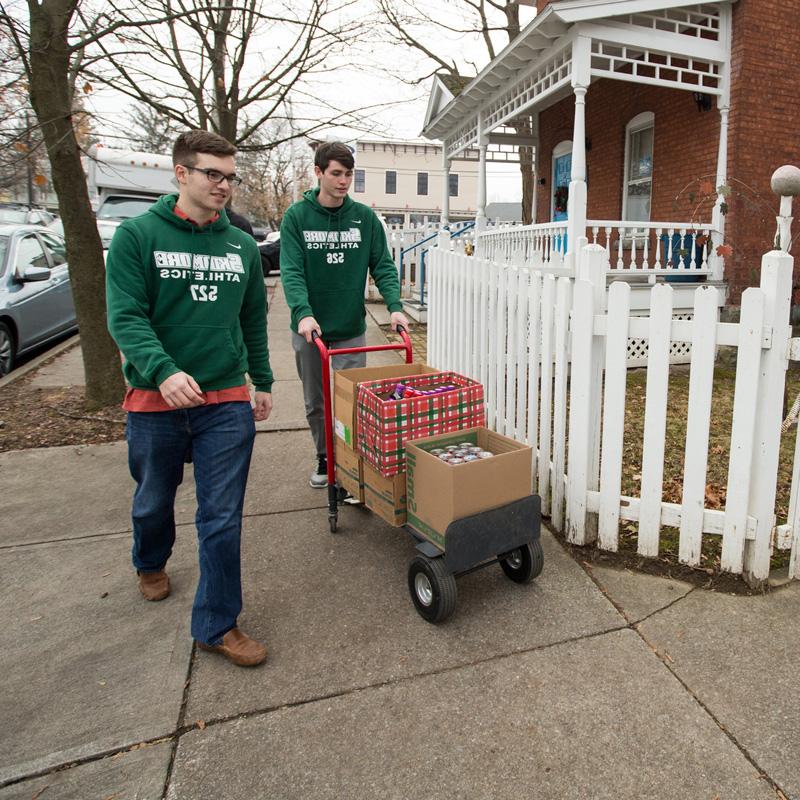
183	215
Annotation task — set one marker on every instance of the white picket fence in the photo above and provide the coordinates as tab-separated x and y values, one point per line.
550	346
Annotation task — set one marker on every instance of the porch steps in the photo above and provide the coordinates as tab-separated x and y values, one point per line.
415	311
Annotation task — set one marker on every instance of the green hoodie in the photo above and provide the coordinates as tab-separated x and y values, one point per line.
183	298
325	256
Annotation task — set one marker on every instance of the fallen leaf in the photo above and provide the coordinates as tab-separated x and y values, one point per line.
201	724
36	619
105	594
40	180
724	250
40	792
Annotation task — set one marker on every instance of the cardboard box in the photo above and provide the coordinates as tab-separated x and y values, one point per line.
384	426
438	493
345	382
349	472
385	496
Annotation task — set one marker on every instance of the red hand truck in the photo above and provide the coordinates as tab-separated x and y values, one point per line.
326	355
508	535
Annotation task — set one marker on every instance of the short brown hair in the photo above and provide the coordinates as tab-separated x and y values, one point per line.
190	143
333	151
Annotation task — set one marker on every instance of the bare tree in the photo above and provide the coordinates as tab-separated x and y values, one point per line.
231	68
151	131
272	177
428	29
49	57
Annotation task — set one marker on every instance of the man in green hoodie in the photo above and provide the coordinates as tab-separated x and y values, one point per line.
187	308
329	244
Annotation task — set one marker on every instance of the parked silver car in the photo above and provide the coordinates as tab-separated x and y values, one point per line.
24	214
35	293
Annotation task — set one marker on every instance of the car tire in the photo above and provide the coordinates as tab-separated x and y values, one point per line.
8	350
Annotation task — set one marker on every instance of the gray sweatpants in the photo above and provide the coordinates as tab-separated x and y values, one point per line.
309	368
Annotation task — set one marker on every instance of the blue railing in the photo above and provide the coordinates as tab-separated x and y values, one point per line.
453	234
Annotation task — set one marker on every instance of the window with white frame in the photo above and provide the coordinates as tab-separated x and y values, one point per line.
637	188
359	182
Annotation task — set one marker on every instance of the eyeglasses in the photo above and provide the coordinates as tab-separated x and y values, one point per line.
215	176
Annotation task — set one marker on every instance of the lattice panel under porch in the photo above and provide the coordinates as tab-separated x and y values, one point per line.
652	66
547	78
679	352
700	21
463	138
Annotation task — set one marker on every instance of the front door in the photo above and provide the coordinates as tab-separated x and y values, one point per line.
562	170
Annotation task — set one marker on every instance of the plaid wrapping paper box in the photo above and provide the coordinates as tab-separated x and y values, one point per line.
384	426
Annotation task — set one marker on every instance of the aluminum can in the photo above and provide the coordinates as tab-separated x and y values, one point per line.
485	454
436	451
456	461
470	457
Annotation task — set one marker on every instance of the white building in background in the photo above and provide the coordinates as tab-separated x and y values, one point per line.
403	181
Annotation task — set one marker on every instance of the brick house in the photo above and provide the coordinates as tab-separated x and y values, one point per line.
638	110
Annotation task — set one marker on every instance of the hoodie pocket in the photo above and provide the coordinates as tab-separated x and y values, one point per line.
206	353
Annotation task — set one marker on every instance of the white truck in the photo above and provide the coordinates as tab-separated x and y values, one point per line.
125	183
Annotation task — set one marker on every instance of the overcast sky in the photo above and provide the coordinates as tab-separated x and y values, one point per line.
359	80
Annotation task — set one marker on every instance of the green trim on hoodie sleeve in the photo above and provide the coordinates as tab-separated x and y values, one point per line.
382	266
128	305
293	273
253	319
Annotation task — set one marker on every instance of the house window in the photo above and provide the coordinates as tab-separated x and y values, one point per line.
391	182
359	182
453	184
637	189
422	183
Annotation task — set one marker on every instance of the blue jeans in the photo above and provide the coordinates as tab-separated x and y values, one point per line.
219	440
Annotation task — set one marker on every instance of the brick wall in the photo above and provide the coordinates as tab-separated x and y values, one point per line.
684	148
764	133
764	128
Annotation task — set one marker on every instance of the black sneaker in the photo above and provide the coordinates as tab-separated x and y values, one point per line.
319	477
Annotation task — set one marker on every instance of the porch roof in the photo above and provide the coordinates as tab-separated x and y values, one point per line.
664	26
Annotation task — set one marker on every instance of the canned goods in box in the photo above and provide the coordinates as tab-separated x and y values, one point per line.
436	451
470	457
485	454
456	461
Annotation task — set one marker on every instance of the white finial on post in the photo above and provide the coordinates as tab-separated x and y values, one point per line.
786	184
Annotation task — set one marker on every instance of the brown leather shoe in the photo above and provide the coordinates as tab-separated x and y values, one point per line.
239	648
154	585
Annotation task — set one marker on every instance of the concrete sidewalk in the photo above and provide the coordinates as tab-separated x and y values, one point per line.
586	684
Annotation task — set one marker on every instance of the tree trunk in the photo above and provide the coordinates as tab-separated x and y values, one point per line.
528	188
51	100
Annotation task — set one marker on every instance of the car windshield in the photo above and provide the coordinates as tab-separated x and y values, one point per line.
123	207
3	248
17	215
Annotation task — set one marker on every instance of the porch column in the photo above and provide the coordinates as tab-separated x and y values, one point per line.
483	142
535	198
445	220
576	204
717	217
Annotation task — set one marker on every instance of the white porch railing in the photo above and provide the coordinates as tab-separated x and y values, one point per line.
524	331
543	244
679	250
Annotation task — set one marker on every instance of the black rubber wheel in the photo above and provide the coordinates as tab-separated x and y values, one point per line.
332	521
8	350
433	589
525	563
